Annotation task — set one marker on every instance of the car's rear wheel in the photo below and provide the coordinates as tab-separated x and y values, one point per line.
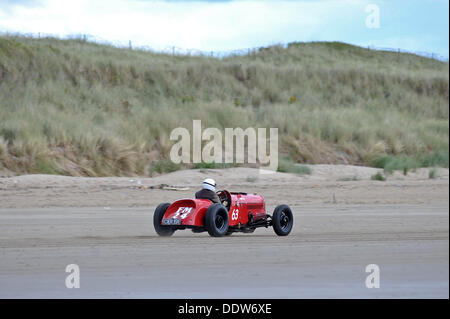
282	220
216	220
161	230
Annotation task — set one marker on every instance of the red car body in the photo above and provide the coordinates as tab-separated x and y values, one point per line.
236	212
191	212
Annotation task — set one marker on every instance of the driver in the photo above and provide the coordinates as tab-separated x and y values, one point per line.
208	191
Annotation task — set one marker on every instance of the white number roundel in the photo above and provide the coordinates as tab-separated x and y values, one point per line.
235	214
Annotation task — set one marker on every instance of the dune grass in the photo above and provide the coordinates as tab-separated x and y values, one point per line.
378	177
432	173
285	165
83	109
406	163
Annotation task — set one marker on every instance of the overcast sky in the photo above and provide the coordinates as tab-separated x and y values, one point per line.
415	25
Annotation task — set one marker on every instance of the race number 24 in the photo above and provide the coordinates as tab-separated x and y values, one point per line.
183	211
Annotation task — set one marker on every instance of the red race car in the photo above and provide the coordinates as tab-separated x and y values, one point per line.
236	212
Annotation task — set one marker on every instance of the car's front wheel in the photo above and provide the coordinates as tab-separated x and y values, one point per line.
161	230
282	220
216	220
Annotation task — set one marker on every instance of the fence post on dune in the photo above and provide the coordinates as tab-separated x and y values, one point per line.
129	45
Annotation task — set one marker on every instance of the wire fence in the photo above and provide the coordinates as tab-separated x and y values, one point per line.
175	50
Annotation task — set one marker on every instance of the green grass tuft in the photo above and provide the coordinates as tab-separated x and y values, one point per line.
163	166
211	165
378	177
348	179
287	166
432	173
394	163
408	163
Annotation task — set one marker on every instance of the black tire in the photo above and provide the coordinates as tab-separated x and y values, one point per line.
282	220
216	220
161	230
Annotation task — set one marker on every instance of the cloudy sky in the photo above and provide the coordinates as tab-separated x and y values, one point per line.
415	25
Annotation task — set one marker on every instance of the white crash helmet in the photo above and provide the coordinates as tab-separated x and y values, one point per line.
210	184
